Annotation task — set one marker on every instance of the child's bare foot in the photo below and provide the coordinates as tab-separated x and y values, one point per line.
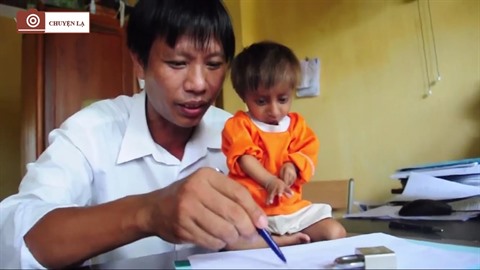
291	239
283	240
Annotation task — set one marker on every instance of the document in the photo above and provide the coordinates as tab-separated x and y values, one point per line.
320	255
423	186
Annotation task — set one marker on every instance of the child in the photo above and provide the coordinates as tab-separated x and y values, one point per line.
272	151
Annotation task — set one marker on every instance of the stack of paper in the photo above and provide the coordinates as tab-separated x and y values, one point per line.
448	181
465	173
421	186
447	168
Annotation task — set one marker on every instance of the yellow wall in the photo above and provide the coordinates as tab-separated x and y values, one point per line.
372	116
10	105
231	100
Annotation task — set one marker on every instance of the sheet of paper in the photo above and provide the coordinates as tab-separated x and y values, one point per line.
422	186
381	212
320	255
469	204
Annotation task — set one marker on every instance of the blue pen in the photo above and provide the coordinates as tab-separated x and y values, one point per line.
268	238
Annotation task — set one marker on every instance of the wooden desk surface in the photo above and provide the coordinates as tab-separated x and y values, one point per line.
455	232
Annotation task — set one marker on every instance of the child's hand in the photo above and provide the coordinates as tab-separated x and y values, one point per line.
288	173
276	187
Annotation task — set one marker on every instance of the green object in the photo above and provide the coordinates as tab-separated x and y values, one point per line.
185	264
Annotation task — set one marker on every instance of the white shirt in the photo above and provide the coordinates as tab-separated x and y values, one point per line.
103	153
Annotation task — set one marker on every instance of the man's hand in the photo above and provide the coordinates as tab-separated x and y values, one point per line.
206	208
288	172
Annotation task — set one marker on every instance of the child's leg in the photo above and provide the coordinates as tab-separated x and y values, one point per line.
283	240
325	229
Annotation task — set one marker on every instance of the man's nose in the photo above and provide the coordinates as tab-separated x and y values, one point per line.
195	80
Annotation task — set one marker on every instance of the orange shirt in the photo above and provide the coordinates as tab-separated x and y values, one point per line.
297	144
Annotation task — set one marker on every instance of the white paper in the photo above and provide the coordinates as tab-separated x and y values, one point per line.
309	85
470	204
320	255
422	186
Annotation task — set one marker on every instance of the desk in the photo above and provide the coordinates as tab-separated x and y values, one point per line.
455	232
465	233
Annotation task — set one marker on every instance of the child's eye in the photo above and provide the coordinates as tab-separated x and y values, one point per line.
260	102
283	99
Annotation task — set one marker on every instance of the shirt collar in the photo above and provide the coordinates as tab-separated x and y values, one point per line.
137	141
207	136
282	126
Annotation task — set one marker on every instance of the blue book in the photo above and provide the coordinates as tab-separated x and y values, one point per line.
442	169
469	162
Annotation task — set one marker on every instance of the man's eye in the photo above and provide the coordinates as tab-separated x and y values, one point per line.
176	64
214	65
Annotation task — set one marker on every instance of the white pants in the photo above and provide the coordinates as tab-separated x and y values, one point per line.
295	222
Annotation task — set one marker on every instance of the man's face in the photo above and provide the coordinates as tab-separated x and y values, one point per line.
182	82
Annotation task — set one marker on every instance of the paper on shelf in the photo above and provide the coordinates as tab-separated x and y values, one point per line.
472	168
422	186
320	255
469	162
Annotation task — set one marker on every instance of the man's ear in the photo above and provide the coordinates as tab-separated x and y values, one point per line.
137	66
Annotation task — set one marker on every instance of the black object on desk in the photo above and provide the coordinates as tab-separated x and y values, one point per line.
425	207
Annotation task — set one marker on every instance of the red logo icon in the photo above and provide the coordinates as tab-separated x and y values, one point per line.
31	21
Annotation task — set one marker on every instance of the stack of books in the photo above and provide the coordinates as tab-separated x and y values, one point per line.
464	171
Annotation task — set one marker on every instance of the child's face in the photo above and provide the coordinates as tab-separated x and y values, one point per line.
269	105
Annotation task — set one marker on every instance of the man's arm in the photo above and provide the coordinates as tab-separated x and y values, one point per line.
206	209
69	236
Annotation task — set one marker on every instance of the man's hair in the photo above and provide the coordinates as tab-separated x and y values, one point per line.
264	64
171	19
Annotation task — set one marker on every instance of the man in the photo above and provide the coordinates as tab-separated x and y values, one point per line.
109	182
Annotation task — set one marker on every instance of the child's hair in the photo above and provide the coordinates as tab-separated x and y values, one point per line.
264	64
